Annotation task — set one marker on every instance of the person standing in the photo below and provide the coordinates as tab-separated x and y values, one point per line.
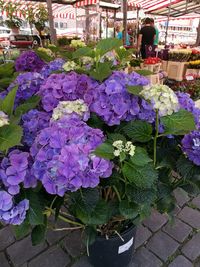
147	36
120	36
156	40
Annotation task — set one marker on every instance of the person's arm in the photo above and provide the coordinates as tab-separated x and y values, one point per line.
139	42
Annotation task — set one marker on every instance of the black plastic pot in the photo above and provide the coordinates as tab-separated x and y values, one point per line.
113	252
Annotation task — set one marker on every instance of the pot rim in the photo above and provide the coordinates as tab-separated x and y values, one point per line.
103	238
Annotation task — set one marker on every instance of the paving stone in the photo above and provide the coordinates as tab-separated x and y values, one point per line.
144	258
155	221
181	196
83	262
190	216
6	237
142	235
191	248
73	243
178	230
196	202
3	260
53	237
162	245
181	261
197	264
54	256
22	251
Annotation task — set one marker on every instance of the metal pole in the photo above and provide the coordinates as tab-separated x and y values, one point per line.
51	22
198	35
76	20
115	22
106	23
124	21
98	20
137	25
87	23
169	12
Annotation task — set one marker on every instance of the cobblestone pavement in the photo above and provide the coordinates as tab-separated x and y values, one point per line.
159	242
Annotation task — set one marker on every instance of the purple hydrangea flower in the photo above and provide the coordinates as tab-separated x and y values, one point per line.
191	146
62	87
111	100
63	156
28	84
29	61
15	215
15	169
52	66
32	123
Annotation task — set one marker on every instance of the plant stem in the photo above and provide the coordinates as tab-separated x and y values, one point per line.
155	139
117	193
68	228
65	219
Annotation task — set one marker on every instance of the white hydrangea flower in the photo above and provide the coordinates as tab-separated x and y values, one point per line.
127	148
77	43
4	120
70	65
65	108
162	98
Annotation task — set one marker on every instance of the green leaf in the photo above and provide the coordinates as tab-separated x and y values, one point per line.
31	103
100	215
141	176
144	72
115	137
102	71
108	44
8	103
36	208
135	90
166	204
179	123
141	196
128	209
38	234
90	235
186	168
140	131
10	136
82	52
192	188
21	230
105	151
140	157
122	156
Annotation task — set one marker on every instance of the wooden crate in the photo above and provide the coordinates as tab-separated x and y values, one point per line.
155	68
154	79
192	71
176	70
164	65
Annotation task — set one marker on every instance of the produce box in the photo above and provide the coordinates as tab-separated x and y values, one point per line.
155	68
164	65
176	70
154	79
192	71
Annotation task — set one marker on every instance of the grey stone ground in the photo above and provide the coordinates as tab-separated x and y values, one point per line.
159	242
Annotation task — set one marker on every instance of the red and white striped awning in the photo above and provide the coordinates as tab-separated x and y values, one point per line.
86	3
186	17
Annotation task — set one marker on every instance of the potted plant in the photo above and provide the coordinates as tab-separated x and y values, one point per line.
13	21
102	152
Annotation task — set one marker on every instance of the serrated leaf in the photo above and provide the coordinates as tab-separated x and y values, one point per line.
144	72
186	168
115	137
82	52
36	208
141	176
128	209
105	151
135	90
31	103
8	103
140	157
101	72
140	131
179	123
141	196
38	234
10	136
108	44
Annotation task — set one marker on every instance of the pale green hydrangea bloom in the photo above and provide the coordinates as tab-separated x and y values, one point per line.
4	120
128	147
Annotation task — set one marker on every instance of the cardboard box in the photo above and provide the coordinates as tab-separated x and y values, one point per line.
176	70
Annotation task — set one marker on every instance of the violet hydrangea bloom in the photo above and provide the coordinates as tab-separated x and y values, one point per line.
28	84
55	65
29	61
63	156
14	170
111	100
63	87
191	146
32	123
